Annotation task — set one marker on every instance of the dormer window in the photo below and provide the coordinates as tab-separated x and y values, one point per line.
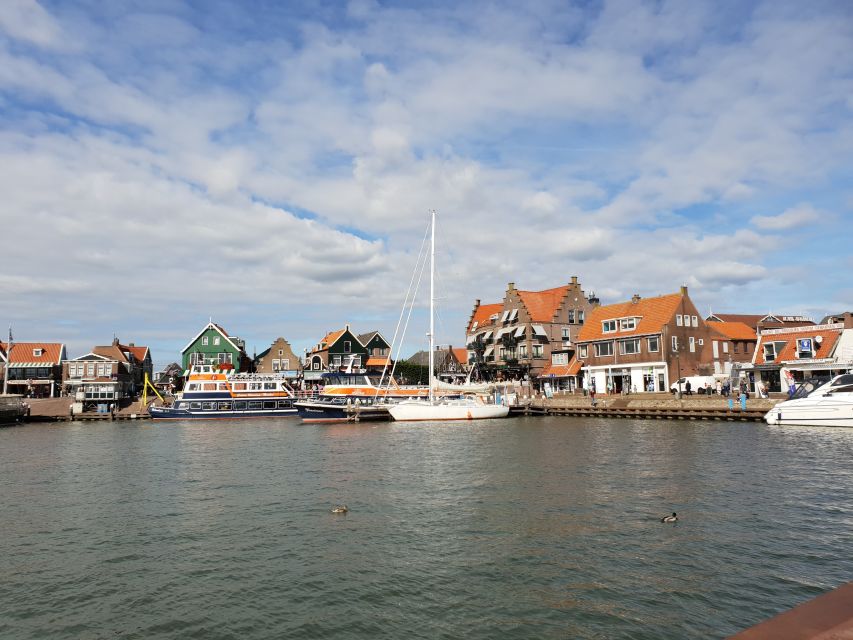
772	349
628	324
37	353
608	326
805	348
474	326
493	317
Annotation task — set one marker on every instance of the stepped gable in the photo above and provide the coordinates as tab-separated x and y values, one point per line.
542	306
733	330
654	314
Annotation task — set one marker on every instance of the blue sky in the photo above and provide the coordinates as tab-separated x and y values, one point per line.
271	164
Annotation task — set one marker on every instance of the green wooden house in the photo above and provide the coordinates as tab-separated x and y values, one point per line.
337	351
213	345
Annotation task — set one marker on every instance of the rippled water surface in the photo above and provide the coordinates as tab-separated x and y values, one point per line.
520	528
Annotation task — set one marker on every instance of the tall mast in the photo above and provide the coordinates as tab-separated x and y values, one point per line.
432	309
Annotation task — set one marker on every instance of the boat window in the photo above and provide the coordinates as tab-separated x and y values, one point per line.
256	404
209	406
240	406
269	386
239	386
269	404
845	380
374	380
209	386
223	386
195	405
192	387
225	406
284	404
255	386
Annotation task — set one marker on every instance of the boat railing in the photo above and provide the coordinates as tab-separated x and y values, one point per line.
308	394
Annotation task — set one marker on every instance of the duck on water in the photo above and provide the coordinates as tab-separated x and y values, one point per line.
672	518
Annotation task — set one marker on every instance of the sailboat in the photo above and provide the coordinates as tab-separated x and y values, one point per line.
471	407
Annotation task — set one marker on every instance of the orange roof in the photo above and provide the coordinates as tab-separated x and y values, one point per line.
542	305
562	370
461	355
138	352
52	352
111	351
654	314
482	315
733	330
329	340
377	361
789	350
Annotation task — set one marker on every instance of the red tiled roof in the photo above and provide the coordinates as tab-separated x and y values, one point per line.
789	351
542	305
23	352
562	370
482	315
110	351
138	352
461	355
329	339
654	312
733	330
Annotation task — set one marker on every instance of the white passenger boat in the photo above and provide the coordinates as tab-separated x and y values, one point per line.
829	405
211	392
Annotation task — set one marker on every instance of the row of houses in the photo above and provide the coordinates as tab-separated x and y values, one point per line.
568	339
561	336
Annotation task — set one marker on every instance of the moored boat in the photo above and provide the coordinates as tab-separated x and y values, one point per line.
829	405
213	393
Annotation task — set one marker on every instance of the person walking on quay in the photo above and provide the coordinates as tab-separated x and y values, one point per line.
592	393
687	387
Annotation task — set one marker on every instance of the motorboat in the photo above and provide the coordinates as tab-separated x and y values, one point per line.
826	405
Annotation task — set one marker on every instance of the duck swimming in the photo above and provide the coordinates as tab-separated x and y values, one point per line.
341	509
672	518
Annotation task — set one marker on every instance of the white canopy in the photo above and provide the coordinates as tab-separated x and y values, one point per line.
539	330
520	331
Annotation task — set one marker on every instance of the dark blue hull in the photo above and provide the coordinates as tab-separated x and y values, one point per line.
314	411
223	411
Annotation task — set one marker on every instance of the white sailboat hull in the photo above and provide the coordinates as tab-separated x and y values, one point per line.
406	411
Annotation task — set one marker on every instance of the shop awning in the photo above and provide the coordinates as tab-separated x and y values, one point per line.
538	329
488	351
513	315
520	331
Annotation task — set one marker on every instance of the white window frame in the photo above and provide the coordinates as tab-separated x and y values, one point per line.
627	324
772	347
725	346
580	316
609	323
695	321
675	343
649	344
538	351
37	353
566	333
598	349
285	364
216	341
678	322
692	341
583	351
623	344
205	341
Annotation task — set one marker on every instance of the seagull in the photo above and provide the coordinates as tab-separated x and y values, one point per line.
341	509
672	518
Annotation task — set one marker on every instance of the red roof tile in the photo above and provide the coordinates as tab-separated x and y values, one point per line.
562	370
789	351
542	305
482	315
654	314
733	330
329	339
461	355
23	352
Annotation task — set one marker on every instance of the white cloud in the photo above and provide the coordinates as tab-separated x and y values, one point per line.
27	20
798	216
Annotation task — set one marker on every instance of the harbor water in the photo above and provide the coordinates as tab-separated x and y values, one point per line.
517	528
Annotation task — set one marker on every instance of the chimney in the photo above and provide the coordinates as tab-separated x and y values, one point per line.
684	290
574	280
511	286
635	298
130	344
477	303
593	299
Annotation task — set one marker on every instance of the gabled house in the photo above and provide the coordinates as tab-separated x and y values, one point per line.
516	338
378	351
338	351
2	362
108	374
213	345
733	342
563	373
644	344
446	362
279	358
34	369
169	379
759	322
789	355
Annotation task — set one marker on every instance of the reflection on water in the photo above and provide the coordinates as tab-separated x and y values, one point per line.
534	527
